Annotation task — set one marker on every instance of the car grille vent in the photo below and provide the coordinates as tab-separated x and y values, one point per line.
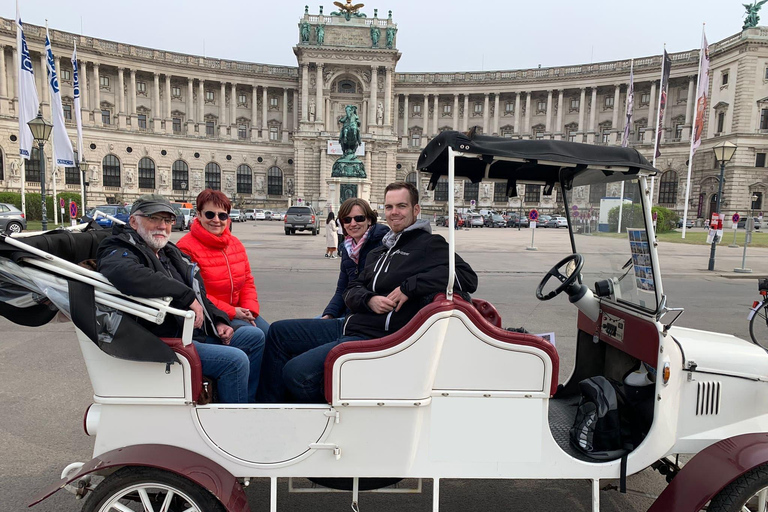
708	398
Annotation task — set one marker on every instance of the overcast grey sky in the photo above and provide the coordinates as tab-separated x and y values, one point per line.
433	35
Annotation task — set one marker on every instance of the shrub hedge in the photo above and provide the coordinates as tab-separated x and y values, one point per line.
34	204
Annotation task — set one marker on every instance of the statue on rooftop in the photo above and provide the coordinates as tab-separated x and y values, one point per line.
304	31
348	10
375	35
391	31
751	19
320	34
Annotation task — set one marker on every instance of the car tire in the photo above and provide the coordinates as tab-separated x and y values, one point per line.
287	231
315	231
741	491
128	481
13	227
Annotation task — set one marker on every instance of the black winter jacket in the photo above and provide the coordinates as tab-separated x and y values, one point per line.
350	270
132	267
418	264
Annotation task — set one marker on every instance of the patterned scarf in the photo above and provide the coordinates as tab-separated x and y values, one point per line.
353	249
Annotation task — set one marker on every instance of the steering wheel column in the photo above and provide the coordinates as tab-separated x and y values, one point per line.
578	293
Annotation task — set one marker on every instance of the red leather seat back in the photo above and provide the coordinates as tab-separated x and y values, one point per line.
488	311
190	352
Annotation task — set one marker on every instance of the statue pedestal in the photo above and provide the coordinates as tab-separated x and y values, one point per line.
348	166
341	189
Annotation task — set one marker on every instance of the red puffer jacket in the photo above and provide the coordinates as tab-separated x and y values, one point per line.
224	267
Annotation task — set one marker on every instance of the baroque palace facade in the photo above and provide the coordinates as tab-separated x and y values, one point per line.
265	135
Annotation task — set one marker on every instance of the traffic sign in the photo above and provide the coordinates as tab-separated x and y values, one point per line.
575	208
472	202
533	214
72	209
735	217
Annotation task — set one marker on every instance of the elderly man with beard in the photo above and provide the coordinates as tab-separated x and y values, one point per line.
139	260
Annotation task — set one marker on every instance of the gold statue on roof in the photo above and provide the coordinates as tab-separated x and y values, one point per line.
348	10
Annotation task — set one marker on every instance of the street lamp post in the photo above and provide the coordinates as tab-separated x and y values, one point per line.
183	191
41	130
723	154
81	170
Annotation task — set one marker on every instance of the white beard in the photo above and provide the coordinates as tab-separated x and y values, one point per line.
148	236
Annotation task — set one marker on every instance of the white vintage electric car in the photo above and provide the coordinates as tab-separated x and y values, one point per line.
451	395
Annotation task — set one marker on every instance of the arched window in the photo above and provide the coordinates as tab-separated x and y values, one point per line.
213	176
180	175
244	179
110	170
412	179
274	181
32	167
500	192
146	173
441	189
668	188
757	204
471	191
347	87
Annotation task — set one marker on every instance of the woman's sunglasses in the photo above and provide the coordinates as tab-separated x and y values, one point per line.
210	215
357	218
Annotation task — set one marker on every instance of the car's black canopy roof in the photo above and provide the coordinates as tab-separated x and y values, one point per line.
535	161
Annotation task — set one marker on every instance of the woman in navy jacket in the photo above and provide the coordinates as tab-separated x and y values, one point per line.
362	235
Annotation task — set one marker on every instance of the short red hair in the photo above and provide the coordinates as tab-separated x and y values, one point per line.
217	197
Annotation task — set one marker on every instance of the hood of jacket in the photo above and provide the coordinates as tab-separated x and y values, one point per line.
391	238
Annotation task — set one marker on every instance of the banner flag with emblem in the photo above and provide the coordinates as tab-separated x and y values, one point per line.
62	146
76	106
27	92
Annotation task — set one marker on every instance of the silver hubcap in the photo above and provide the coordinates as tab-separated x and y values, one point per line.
150	497
757	503
14	228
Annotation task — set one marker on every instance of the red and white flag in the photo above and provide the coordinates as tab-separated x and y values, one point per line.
702	100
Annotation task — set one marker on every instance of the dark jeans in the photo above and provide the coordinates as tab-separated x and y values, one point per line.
293	367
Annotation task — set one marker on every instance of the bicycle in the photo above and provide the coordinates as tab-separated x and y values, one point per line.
758	316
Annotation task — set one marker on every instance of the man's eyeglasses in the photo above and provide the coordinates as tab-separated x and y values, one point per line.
357	218
159	219
210	215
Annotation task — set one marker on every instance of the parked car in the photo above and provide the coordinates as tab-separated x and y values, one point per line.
180	224
543	221
234	214
277	216
12	220
267	215
188	214
495	220
258	215
476	220
119	212
441	220
689	223
557	222
301	218
250	214
514	220
743	222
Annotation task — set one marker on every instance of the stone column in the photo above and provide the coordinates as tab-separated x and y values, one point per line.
616	110
455	112
388	97
168	99
120	98
582	112
486	112
560	110
133	100
372	105
435	114
304	92
425	118
689	108
96	95
319	100
518	128
45	97
254	113
201	108
592	117
548	117
466	113
84	103
284	106
496	100
222	109
651	127
3	82
156	114
405	121
264	100
190	106
396	119
15	81
233	109
527	133
295	110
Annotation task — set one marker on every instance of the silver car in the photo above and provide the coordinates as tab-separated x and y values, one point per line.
12	220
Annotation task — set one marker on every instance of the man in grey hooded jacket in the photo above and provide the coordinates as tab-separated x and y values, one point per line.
410	267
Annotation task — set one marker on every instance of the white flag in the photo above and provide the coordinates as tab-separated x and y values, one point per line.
28	102
630	105
62	147
76	106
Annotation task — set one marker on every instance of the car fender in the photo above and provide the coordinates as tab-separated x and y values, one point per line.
710	471
190	465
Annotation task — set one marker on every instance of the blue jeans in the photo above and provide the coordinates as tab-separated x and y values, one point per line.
294	359
251	339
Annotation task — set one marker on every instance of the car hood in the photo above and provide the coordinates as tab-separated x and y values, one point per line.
721	354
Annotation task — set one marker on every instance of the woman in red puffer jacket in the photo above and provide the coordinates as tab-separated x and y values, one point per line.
223	261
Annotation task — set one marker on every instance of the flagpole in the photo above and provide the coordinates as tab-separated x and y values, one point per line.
79	123
693	139
658	122
625	138
23	166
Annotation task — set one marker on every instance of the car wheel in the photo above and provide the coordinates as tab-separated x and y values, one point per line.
315	231
151	487
744	493
287	231
13	227
293	231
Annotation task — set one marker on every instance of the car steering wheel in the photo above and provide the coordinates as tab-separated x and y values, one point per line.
577	260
